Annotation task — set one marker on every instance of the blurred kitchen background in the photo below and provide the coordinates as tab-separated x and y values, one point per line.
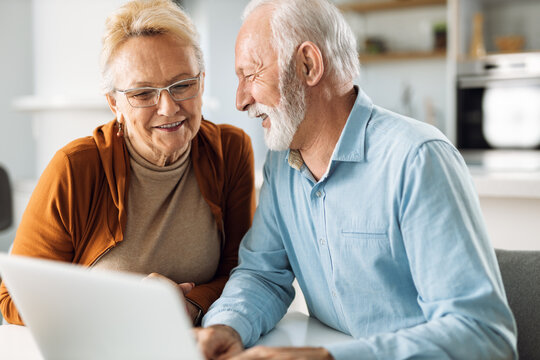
469	67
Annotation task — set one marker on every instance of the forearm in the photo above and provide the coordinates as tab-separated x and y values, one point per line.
449	337
9	311
205	295
252	303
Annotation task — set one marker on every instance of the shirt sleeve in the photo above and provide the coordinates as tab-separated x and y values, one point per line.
453	266
260	289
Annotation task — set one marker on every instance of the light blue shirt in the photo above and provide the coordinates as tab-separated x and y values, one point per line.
388	246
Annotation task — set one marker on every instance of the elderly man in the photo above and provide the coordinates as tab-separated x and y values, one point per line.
374	213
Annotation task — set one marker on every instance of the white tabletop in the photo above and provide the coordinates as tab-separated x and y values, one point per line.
295	329
298	329
16	342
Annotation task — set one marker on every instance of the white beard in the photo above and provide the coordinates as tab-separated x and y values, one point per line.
288	115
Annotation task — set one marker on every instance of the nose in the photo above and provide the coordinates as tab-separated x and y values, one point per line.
243	97
166	105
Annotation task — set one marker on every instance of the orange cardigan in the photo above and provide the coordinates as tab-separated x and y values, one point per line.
77	211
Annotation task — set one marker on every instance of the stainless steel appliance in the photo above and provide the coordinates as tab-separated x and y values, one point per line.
498	102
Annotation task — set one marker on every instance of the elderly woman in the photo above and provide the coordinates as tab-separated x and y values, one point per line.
157	190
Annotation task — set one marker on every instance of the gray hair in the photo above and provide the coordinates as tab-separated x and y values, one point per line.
145	18
318	21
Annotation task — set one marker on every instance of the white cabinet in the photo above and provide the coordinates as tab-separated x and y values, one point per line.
511	207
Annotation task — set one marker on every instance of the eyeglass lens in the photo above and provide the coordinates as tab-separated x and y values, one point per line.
145	97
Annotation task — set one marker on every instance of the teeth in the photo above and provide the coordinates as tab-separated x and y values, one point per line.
168	126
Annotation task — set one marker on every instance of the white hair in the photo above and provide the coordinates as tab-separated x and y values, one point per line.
295	21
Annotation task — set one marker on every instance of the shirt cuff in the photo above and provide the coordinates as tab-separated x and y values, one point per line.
354	349
234	320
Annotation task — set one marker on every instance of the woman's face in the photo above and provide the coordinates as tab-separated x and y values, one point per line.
159	133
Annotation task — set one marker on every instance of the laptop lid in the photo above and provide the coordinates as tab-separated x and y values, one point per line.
74	313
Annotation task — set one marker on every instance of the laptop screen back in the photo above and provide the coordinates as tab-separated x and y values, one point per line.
74	313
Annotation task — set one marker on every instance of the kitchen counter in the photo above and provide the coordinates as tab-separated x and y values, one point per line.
524	185
505	173
508	185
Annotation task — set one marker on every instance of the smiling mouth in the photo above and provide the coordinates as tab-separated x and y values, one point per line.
170	126
265	121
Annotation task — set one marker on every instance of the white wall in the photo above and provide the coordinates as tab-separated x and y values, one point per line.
16	73
66	102
386	83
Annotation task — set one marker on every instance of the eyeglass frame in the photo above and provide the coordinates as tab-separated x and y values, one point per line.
168	88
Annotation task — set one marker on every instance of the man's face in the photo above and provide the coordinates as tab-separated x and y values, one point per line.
278	99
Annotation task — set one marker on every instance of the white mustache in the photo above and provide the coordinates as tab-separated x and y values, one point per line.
257	109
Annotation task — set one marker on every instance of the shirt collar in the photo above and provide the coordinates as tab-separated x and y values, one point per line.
351	143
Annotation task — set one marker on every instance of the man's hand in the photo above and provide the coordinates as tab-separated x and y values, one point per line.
284	353
183	290
218	342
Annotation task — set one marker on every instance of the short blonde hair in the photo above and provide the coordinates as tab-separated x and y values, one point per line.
145	18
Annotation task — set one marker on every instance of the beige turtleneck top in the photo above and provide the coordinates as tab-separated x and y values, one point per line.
170	228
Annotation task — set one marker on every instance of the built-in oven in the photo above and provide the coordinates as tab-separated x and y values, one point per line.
498	102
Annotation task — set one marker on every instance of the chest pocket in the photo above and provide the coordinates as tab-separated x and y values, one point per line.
365	250
372	237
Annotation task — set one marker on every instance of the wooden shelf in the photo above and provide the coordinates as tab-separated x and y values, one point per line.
401	56
364	7
382	5
467	58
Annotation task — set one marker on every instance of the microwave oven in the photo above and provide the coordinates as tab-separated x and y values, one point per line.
498	102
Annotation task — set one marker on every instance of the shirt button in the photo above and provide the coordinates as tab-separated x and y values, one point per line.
334	293
319	194
322	242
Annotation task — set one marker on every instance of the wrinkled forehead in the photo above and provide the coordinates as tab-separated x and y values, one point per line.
257	26
254	39
153	60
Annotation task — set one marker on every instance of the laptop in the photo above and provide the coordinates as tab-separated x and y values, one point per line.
75	313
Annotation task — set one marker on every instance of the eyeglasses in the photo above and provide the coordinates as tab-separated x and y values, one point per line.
149	96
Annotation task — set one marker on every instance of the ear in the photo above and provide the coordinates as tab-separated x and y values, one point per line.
203	76
111	100
310	61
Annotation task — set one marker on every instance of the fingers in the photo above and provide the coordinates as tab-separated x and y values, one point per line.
186	287
208	345
157	276
283	353
218	342
183	287
258	353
